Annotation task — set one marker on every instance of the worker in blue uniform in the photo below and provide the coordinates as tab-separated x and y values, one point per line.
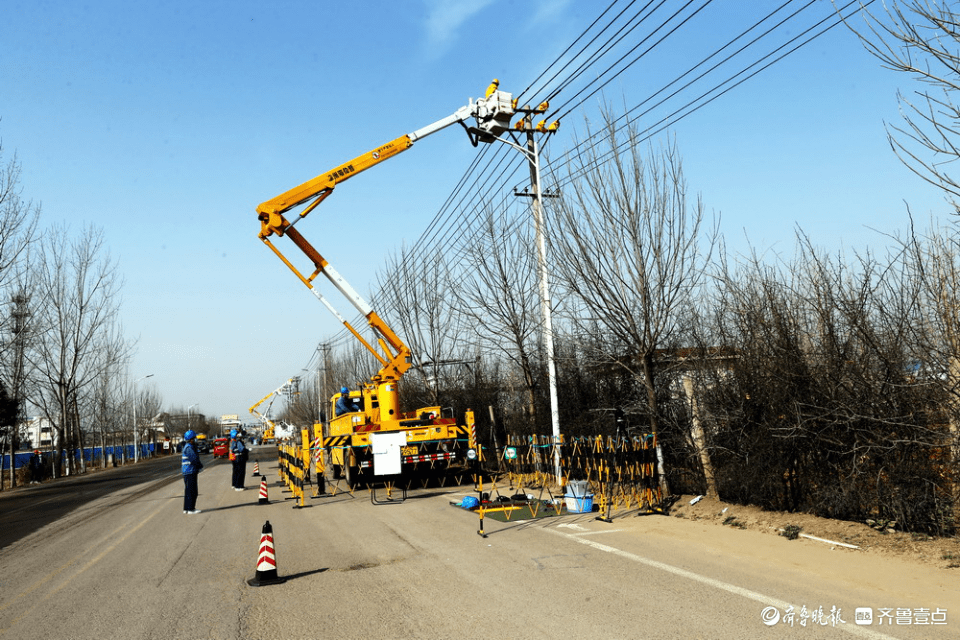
345	404
190	467
238	458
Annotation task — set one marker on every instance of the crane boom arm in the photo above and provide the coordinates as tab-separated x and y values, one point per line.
322	186
492	114
292	382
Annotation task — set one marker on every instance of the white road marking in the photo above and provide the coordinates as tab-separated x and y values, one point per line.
710	582
601	531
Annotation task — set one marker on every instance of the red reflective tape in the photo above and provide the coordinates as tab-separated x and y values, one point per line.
430	457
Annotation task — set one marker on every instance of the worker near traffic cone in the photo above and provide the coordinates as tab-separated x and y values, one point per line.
266	560
238	457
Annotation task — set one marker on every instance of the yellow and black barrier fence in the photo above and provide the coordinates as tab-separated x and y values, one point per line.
619	472
314	452
295	464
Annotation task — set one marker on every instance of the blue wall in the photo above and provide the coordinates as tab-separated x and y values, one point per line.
90	454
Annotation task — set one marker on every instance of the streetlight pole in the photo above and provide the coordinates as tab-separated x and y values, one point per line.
188	414
136	447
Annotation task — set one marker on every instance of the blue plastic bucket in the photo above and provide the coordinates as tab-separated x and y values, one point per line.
579	504
578	488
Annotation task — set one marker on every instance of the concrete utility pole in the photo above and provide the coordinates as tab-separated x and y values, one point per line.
532	153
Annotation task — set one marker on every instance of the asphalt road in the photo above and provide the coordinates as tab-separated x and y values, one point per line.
130	564
29	508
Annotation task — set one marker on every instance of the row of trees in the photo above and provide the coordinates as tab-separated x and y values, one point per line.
63	355
823	383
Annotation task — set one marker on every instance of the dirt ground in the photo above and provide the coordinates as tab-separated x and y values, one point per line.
943	553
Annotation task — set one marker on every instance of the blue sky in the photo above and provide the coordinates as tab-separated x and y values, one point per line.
167	123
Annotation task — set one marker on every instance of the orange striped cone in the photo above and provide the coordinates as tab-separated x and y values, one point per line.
256	469
263	492
266	560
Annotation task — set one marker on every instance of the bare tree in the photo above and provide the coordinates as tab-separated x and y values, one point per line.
921	38
499	294
632	248
18	221
77	338
831	404
934	263
106	407
146	405
18	224
417	295
301	409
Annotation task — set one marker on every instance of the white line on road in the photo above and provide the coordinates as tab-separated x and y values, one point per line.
711	582
600	532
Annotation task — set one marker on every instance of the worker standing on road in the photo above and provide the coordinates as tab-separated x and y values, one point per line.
36	467
190	466
238	456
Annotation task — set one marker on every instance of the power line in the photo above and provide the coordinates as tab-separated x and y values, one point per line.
483	181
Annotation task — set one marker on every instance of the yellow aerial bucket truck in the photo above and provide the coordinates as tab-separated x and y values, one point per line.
428	439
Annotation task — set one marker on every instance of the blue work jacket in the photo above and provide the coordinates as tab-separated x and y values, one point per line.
190	461
238	449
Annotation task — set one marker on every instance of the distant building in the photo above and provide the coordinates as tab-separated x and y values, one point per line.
38	433
228	422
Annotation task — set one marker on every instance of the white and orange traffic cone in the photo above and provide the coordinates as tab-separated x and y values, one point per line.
256	469
266	560
263	492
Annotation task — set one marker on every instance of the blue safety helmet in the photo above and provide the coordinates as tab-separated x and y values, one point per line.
190	434
344	390
233	433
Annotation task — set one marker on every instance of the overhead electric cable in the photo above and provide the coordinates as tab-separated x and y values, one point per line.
455	219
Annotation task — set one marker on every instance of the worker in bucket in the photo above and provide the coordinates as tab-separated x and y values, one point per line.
345	404
190	466
238	458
